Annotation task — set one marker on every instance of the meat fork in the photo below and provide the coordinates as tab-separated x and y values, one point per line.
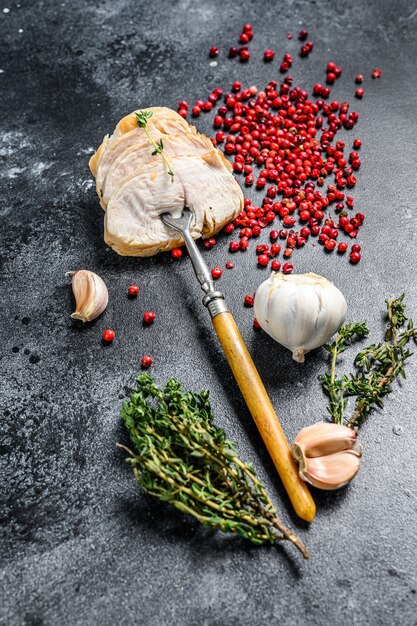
245	373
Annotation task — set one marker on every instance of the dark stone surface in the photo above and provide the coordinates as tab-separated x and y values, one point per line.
80	543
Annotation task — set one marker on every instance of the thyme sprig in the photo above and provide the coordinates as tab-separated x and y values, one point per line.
377	366
142	118
336	387
180	456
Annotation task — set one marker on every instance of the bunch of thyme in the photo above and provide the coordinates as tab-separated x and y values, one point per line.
377	366
142	118
180	456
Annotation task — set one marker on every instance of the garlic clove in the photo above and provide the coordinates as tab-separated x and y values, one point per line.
328	455
332	471
324	438
90	293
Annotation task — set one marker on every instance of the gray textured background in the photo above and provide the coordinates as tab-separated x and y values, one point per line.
81	544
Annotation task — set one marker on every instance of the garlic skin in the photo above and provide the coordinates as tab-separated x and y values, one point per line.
90	293
328	455
299	311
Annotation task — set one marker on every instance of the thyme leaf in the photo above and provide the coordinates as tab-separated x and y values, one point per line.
180	456
142	118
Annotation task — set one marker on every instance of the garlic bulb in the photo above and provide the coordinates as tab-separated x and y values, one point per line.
328	455
91	295
300	311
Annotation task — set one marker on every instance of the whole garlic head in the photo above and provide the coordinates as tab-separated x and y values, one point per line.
299	311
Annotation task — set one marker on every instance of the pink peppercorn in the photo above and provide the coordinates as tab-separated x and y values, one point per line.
146	361
355	257
330	244
269	55
133	290
263	260
149	317
108	335
176	253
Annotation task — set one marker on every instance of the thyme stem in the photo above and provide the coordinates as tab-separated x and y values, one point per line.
142	118
159	150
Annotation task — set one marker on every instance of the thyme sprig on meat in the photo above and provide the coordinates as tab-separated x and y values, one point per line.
180	456
142	118
377	366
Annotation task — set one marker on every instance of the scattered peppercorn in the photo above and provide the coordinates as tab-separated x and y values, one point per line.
176	253
146	361
149	317
355	257
216	272
269	55
263	260
109	335
248	301
330	244
133	290
284	142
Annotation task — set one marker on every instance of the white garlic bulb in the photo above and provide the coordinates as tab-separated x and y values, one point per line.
300	311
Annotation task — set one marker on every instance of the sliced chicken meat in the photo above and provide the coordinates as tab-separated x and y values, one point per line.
189	144
163	122
135	188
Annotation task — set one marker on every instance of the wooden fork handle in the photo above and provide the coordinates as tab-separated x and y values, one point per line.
263	413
